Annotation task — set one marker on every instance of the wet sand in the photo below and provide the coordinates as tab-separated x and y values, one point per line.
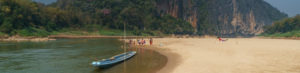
237	55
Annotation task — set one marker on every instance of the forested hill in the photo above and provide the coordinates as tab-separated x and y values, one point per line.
150	17
289	27
214	17
140	17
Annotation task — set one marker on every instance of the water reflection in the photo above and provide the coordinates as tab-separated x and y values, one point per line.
73	56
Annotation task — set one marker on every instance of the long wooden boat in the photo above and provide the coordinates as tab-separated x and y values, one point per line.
105	63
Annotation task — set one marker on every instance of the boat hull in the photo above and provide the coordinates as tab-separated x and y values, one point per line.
114	60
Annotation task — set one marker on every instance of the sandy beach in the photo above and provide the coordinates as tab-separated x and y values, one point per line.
237	55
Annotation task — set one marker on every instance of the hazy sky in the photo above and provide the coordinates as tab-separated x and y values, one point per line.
291	7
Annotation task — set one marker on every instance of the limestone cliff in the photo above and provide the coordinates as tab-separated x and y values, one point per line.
184	9
214	17
225	17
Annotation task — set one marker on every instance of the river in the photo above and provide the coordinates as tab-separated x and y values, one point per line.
73	56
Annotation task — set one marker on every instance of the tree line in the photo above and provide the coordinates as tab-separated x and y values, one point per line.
284	26
140	16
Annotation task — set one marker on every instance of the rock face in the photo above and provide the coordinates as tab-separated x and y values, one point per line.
219	17
227	17
184	9
180	9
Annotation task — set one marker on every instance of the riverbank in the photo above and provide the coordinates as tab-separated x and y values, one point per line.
54	37
238	55
173	59
20	39
96	36
291	38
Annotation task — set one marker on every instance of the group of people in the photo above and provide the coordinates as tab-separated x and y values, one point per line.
140	42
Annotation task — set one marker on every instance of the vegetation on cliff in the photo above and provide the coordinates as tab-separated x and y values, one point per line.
289	27
141	17
241	17
26	18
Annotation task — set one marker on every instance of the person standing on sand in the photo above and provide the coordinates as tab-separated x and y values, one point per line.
151	41
134	43
130	41
142	41
220	39
138	41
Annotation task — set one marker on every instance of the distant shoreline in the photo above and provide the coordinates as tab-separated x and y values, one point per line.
21	39
54	37
96	36
292	38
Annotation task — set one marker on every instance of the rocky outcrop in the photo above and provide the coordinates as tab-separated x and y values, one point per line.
217	17
184	9
242	17
228	17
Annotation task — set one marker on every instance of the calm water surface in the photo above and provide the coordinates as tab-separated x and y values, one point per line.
73	56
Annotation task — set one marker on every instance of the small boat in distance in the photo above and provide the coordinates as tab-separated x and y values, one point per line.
105	63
